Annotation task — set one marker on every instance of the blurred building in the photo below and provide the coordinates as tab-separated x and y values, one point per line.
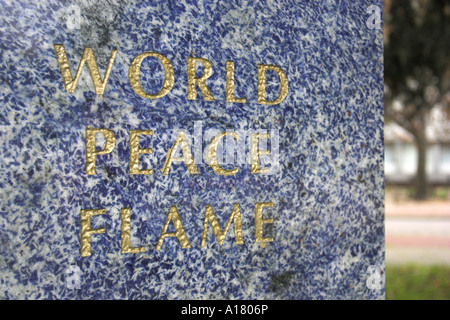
401	152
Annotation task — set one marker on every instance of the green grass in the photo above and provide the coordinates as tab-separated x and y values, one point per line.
415	282
441	193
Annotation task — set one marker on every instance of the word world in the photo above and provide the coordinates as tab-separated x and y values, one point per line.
194	81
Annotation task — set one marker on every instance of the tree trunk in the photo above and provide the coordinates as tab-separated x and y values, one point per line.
421	175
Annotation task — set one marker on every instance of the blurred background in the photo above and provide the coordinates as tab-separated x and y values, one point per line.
417	148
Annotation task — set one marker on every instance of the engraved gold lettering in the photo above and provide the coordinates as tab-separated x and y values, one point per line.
255	152
262	68
230	85
135	70
187	157
211	154
259	221
125	235
135	151
193	80
217	230
89	58
87	231
91	152
179	230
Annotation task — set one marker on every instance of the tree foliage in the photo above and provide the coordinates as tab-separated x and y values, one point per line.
417	59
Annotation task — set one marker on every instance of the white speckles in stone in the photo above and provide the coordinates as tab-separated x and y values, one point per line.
328	196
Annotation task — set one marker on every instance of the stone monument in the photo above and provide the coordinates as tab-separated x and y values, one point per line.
191	150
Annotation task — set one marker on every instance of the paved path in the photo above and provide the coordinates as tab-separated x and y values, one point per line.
396	255
427	209
418	233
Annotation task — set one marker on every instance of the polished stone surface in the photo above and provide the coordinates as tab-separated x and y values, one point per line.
327	191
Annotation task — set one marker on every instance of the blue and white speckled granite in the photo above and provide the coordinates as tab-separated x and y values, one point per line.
328	195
